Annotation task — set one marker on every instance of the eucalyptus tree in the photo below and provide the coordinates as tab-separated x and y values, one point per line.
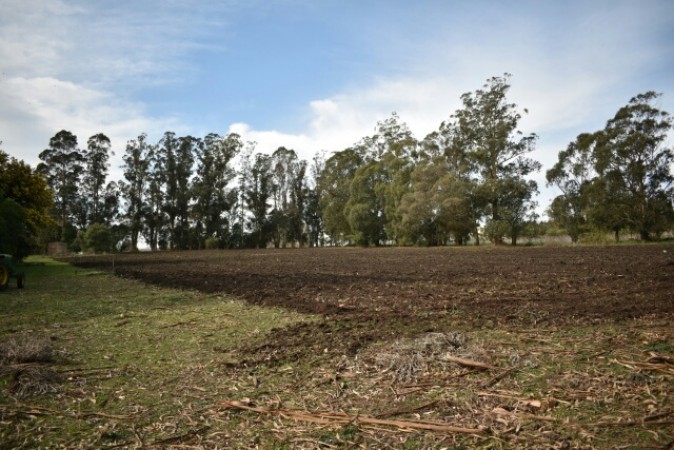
154	231
364	210
619	177
517	208
62	165
333	189
96	169
397	154
440	202
573	174
176	156
214	173
633	159
288	173
312	210
136	166
258	191
487	128
181	189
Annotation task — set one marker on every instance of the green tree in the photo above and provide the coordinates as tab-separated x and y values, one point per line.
62	166
517	207
95	173
573	175
441	201
176	158
364	210
487	129
438	205
98	238
289	197
634	160
211	185
334	190
28	188
258	191
13	228
396	154
312	212
137	159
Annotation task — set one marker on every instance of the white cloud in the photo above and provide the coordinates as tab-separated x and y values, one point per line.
35	109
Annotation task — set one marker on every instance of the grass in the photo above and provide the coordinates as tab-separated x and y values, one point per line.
88	360
122	349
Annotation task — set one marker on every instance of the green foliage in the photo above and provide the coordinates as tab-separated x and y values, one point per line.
30	191
137	159
210	187
334	191
486	129
364	210
13	239
257	194
98	238
618	178
212	243
62	166
94	176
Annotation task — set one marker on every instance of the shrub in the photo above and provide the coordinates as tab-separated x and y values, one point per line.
98	238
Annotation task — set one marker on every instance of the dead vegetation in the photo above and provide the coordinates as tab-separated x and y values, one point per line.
26	359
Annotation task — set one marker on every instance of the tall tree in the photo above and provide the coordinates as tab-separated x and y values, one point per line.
181	193
312	211
154	217
28	190
487	128
334	190
573	174
633	157
213	176
257	195
62	166
364	210
397	152
136	167
289	194
95	174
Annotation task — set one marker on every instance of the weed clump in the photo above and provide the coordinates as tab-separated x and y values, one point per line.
409	360
25	360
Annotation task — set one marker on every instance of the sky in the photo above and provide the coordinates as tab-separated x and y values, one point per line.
317	75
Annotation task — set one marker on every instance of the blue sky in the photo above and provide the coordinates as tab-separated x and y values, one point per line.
317	75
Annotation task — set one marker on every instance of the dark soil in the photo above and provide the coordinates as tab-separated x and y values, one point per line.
369	295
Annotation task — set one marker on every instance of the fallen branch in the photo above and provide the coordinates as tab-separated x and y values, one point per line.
500	376
330	418
407	411
40	411
178	439
467	362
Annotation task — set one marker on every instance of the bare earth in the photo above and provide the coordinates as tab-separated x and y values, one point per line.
585	330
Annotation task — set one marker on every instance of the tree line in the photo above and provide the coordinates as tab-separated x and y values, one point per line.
466	181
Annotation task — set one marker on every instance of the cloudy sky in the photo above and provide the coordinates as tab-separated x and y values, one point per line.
318	74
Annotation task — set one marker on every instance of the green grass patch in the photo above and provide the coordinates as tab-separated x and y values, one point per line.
122	357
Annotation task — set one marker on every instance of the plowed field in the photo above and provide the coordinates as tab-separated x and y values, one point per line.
501	284
527	347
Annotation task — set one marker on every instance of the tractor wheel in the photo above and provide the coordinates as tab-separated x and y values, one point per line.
4	277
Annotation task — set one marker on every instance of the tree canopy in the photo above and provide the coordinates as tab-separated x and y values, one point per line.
470	179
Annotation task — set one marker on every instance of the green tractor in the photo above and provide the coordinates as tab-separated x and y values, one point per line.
7	271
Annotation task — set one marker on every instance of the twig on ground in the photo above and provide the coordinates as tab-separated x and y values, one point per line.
330	418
